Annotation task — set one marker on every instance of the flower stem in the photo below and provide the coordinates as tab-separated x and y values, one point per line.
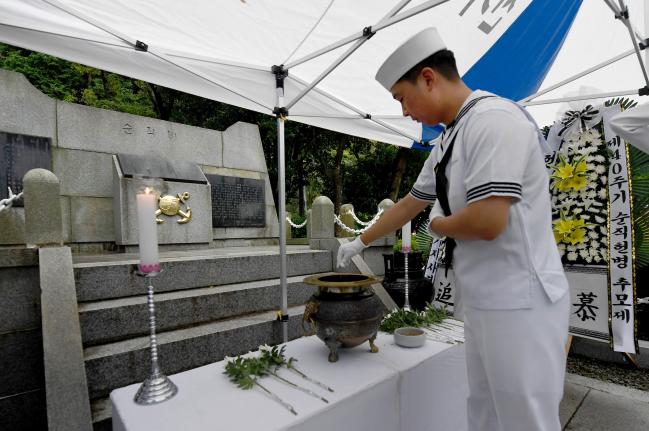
305	377
278	399
298	387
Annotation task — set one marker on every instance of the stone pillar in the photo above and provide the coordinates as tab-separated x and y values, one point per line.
289	233
322	218
66	387
43	224
385	205
346	211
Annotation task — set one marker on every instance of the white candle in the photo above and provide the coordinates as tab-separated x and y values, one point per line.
405	238
147	231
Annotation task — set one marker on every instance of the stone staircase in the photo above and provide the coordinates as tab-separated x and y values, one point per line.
209	303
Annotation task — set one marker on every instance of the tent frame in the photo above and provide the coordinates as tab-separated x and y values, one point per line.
281	109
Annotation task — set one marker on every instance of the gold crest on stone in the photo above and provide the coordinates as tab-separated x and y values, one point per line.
171	205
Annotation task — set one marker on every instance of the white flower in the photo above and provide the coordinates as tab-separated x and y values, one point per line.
597	258
603	179
228	359
571	248
584	254
600	169
600	158
588	259
572	256
599	219
265	348
602	193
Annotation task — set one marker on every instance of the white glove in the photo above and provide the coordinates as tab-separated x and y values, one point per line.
435	212
349	250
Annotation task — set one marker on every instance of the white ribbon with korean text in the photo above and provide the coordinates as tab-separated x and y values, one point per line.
620	235
443	284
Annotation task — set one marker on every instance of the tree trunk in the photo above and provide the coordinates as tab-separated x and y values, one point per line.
400	163
104	81
338	178
162	109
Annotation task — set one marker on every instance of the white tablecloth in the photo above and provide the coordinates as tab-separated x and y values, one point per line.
397	389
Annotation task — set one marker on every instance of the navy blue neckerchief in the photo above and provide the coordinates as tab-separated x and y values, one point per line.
441	182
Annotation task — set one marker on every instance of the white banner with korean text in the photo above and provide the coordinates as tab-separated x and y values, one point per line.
620	235
443	280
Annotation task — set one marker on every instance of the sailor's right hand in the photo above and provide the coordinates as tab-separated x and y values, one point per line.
349	250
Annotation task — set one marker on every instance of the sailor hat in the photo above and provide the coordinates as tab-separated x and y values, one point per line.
422	45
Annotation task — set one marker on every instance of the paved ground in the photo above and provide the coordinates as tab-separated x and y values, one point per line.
592	405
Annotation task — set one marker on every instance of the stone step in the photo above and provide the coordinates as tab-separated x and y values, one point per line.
115	276
117	319
122	363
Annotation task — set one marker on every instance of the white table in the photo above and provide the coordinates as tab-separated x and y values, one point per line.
397	389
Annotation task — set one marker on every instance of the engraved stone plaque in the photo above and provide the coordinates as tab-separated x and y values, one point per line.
237	202
19	154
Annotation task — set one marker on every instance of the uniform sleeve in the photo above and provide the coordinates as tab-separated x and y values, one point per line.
632	125
497	146
424	187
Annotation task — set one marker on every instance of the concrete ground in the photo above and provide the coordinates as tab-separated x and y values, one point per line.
592	405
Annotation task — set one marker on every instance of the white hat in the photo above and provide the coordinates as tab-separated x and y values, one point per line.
422	45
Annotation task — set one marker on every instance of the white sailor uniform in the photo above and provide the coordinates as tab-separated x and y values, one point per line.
512	289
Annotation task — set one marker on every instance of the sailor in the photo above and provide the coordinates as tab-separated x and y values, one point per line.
488	180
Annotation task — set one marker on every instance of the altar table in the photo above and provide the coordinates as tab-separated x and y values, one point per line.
396	389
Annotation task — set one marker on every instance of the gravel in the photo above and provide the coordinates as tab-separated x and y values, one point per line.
625	375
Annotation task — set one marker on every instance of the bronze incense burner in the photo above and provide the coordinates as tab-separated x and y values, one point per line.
344	312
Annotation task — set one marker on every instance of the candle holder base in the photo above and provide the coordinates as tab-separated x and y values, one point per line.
148	274
155	389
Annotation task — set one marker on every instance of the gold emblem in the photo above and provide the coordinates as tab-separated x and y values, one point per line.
170	206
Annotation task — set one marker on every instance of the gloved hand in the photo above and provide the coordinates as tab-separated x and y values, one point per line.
349	250
435	212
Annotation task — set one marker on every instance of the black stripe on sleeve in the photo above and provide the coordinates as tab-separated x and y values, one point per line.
422	196
500	188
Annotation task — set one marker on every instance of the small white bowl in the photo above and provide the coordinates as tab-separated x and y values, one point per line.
409	337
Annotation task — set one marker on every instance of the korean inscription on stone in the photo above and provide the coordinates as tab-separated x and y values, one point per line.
237	202
18	155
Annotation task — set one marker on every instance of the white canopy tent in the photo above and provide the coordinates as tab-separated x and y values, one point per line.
313	61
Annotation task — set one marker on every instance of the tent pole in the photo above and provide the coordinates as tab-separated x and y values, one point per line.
141	46
360	113
281	113
360	35
584	97
282	225
579	75
624	17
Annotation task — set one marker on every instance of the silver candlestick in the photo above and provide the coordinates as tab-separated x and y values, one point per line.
157	387
406	302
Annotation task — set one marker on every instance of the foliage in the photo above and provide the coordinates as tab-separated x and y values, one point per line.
298	220
365	173
401	318
76	83
640	184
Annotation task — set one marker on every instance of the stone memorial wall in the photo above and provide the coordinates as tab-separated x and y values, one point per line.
82	142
